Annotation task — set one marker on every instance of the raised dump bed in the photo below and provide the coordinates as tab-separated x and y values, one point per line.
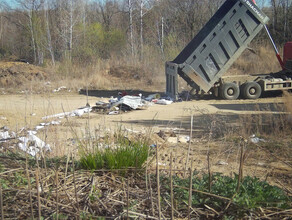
214	49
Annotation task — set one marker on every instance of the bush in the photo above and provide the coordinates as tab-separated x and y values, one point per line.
98	43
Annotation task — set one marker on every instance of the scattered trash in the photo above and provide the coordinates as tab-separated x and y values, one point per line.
184	139
78	112
185	96
152	97
133	102
164	102
222	163
261	164
32	144
4	135
100	103
38	127
161	134
133	131
59	89
113	100
100	107
3	118
59	115
124	103
172	140
55	122
113	113
81	111
256	140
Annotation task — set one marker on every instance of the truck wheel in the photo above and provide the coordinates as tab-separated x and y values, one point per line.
229	91
251	90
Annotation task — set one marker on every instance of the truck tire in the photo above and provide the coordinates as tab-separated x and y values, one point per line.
229	91
251	90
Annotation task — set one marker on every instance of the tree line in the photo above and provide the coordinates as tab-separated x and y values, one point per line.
85	30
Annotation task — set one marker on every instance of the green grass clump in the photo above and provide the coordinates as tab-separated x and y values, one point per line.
252	194
123	154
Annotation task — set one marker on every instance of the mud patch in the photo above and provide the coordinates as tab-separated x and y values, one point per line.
18	73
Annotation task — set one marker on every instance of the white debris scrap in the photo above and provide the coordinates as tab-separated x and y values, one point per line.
184	139
114	113
3	118
59	115
222	163
59	89
4	135
164	102
113	100
256	140
78	112
42	125
133	102
32	144
38	127
55	122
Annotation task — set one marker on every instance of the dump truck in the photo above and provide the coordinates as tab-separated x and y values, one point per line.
208	56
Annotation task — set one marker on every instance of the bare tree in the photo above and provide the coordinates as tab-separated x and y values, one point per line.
31	7
69	14
49	40
130	10
108	9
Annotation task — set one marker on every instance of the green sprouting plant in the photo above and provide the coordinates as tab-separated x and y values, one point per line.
4	184
252	194
61	216
19	179
124	154
87	216
95	194
1	167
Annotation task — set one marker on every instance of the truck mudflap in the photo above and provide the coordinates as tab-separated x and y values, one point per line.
219	43
171	80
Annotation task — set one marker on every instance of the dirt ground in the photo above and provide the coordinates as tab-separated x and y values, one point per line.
169	125
17	111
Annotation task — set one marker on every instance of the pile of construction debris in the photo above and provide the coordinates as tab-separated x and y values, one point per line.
125	103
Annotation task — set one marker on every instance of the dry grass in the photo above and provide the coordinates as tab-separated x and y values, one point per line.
259	60
288	102
145	73
288	107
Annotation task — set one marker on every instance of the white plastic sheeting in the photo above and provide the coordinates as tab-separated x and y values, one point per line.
32	145
164	102
4	135
78	112
133	102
